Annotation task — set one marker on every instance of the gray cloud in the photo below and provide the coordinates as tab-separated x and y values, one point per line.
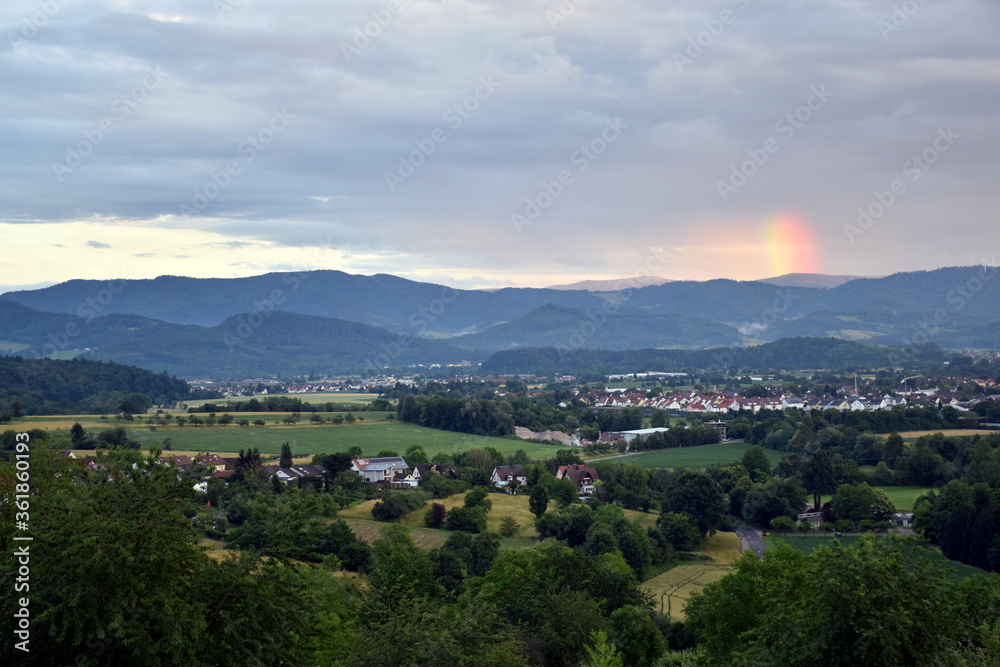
186	92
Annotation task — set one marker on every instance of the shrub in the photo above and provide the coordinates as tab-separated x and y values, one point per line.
397	505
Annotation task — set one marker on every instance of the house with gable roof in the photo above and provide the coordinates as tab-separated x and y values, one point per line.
379	469
584	477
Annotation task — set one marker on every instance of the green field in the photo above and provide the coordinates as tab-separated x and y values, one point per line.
902	497
953	571
315	398
305	438
695	457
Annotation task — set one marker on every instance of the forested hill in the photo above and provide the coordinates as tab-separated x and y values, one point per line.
248	345
786	354
47	386
957	307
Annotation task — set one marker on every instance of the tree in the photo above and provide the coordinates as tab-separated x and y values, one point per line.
538	500
602	654
78	436
468	519
83	525
818	477
699	496
415	455
286	455
435	516
876	602
632	630
564	492
509	526
860	502
756	463
778	497
479	497
783	524
680	530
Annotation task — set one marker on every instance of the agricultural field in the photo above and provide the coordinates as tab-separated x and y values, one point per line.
319	397
694	457
308	439
948	433
952	571
672	589
902	497
367	528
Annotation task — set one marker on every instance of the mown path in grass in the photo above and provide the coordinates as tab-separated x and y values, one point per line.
672	589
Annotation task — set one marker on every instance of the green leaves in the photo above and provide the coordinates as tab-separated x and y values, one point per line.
878	602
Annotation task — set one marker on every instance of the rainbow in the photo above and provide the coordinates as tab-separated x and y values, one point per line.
790	245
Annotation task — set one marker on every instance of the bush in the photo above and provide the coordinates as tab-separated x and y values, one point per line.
435	516
468	519
397	505
509	527
845	526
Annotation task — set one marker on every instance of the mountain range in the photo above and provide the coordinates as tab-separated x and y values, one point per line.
329	321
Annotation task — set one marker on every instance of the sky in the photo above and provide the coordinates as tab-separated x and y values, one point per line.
497	142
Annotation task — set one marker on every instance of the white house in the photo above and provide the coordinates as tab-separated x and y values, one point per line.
379	469
504	475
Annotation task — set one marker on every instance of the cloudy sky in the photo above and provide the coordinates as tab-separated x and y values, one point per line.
497	142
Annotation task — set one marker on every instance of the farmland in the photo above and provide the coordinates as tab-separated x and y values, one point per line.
672	589
694	457
306	438
902	497
952	570
354	398
360	519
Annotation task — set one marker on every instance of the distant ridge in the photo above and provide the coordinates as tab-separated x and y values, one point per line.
613	284
810	280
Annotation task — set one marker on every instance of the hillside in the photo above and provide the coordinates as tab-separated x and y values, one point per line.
242	346
785	354
47	386
380	300
333	322
619	329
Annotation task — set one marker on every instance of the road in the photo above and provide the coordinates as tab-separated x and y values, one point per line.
751	539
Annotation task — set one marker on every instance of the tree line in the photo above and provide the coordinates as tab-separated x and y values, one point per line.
58	387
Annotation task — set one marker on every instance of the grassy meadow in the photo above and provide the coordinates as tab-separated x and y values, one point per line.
694	457
902	497
305	438
360	519
953	571
672	589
